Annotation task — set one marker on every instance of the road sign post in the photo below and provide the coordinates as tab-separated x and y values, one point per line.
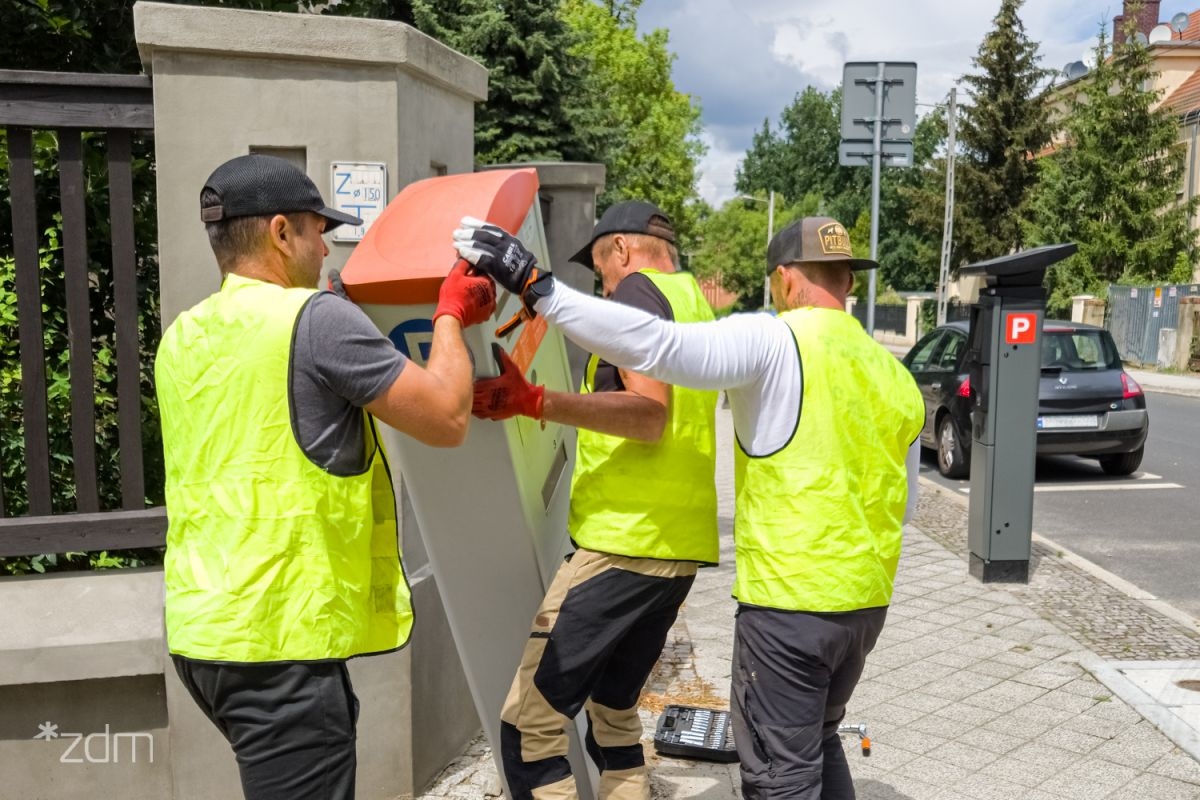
879	106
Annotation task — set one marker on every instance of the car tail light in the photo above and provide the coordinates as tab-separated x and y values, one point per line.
964	388
1130	386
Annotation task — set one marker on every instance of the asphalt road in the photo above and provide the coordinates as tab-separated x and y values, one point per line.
1144	528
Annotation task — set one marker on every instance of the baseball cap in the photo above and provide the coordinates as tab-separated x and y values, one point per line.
258	185
814	240
631	216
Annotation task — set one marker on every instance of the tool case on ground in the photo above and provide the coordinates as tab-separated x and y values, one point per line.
701	733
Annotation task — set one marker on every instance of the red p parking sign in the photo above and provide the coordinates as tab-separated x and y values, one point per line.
1020	328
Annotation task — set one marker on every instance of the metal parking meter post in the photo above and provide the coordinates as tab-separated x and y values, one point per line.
1004	363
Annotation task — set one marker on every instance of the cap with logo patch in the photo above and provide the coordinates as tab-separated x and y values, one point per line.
257	185
631	216
814	240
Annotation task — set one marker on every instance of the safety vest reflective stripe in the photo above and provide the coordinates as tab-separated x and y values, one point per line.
655	500
269	557
818	523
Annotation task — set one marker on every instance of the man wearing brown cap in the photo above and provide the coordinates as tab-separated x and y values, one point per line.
826	463
643	517
282	554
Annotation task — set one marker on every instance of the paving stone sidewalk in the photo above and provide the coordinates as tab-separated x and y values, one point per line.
973	692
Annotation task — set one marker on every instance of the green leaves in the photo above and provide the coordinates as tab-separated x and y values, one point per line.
1002	129
646	132
733	249
1114	183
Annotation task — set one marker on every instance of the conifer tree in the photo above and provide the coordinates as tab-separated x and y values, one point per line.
1001	131
538	105
1113	184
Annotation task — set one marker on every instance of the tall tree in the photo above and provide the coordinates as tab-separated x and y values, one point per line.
733	245
648	132
538	105
1113	184
1001	131
800	159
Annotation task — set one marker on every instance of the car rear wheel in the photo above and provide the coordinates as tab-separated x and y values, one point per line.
1122	463
950	458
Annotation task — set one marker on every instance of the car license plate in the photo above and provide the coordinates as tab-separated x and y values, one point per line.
1068	421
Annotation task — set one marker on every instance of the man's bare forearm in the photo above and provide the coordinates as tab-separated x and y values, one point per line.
625	414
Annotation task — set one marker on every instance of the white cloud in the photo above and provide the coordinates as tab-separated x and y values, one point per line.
746	59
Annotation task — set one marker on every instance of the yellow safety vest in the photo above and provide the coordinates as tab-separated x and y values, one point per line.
657	500
269	557
818	523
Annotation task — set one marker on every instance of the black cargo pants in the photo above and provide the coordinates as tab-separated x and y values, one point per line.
291	726
793	674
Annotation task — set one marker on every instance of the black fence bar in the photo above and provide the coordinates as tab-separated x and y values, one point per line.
125	311
64	533
79	320
29	317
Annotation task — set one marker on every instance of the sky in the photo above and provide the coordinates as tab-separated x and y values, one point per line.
745	60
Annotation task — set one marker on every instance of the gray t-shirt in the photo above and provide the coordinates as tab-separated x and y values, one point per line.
339	363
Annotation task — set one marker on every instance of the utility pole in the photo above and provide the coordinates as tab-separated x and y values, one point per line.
876	165
770	233
878	101
948	222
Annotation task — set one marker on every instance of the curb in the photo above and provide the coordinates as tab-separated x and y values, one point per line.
1112	675
1095	570
1152	389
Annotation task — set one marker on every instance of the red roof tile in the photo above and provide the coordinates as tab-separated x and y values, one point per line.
1187	97
1192	32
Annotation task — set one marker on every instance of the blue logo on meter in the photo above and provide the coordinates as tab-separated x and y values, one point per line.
413	338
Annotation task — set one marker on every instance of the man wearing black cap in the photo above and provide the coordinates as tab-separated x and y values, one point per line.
282	554
826	463
643	517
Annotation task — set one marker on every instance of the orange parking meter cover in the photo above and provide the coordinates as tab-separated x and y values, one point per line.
407	252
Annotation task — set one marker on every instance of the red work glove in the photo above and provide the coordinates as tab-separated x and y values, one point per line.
508	394
470	299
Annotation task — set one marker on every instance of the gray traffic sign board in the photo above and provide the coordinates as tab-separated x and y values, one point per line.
899	100
859	154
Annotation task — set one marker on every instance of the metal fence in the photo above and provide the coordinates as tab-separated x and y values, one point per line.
1137	314
887	317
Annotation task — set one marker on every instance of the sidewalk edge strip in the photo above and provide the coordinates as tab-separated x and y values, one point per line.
1093	569
1174	728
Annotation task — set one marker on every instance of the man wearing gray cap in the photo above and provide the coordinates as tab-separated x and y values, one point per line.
643	516
826	466
282	554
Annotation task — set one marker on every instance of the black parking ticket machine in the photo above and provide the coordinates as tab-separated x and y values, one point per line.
1004	364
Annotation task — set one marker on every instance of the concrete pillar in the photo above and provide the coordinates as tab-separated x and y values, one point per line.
912	320
317	91
1167	340
1088	309
1093	312
313	89
1187	329
568	192
1077	303
851	302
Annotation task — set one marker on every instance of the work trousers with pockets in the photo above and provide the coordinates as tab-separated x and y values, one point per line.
793	674
291	725
594	641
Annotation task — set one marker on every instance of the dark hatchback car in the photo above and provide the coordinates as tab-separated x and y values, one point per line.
1087	404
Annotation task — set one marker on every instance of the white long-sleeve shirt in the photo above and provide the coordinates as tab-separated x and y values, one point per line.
751	356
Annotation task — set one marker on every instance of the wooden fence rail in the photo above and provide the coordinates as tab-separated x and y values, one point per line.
70	104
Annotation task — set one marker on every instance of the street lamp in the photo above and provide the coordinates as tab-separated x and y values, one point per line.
770	232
